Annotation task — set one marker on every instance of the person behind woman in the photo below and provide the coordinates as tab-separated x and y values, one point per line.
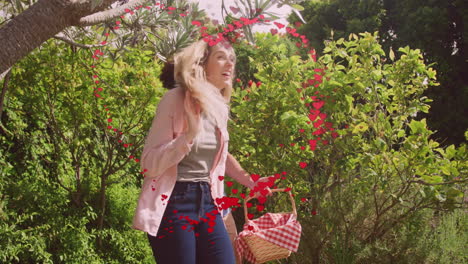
185	157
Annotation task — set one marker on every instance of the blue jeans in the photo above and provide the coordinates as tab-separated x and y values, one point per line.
192	231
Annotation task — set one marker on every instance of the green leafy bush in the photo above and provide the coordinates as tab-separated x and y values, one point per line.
345	130
68	187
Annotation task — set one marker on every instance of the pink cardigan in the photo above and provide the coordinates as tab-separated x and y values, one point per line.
165	146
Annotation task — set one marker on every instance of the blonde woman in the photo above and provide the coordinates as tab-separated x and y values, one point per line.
185	159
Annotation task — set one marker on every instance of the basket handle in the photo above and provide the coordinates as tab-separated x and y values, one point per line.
293	203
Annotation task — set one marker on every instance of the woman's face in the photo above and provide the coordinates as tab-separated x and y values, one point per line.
219	67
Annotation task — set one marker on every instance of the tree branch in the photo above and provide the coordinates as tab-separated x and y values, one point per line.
5	88
73	43
106	15
438	183
3	74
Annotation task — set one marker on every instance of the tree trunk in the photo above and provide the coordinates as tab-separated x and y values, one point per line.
45	19
102	205
315	256
30	29
4	90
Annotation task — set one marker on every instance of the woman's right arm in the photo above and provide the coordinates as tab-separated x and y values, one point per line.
161	150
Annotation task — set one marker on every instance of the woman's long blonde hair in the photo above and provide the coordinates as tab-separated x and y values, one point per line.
189	74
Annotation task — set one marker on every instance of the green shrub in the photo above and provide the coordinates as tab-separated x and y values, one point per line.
68	186
367	166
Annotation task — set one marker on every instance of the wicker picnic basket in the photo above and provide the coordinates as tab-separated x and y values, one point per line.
261	249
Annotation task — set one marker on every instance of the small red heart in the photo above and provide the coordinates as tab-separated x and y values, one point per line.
221	178
262	199
255	177
260	208
249	205
234	191
264	192
302	165
318	105
279	25
229	183
250	227
250	216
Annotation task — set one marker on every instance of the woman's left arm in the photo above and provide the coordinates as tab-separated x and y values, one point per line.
235	171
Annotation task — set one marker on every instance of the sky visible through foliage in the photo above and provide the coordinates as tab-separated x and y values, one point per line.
213	10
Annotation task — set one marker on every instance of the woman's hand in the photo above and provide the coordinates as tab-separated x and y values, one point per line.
193	110
263	185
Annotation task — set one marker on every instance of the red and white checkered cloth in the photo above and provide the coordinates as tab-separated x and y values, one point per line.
281	229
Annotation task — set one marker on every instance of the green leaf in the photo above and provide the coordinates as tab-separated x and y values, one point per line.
401	133
417	126
335	83
454	171
380	143
391	54
440	150
432	179
297	7
452	192
450	152
350	101
361	127
423	194
376	75
439	197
